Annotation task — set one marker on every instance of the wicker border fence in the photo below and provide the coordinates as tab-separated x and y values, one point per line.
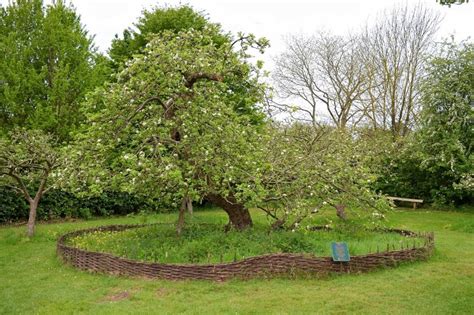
258	266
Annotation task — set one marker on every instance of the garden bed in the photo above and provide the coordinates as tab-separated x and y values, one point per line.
228	256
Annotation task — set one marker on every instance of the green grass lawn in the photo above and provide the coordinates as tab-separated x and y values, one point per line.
33	279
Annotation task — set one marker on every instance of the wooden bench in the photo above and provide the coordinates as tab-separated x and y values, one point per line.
414	201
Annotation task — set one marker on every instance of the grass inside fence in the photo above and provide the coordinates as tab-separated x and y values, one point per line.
211	244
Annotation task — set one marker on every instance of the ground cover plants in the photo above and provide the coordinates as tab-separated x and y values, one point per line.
208	243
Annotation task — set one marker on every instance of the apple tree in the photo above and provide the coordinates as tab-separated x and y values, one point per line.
27	162
169	127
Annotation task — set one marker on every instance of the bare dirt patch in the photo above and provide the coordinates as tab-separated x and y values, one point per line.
117	296
162	292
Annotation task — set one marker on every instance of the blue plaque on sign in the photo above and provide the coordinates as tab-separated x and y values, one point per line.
340	252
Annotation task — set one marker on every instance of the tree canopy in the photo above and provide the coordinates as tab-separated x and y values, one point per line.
27	159
436	162
175	19
155	21
167	128
48	64
446	134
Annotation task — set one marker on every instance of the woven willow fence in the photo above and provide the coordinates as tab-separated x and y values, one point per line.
258	266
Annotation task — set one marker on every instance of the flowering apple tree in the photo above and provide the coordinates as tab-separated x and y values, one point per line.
170	127
311	169
28	161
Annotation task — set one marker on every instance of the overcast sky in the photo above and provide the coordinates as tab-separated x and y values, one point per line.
272	19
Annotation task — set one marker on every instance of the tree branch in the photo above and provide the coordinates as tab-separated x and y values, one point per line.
194	77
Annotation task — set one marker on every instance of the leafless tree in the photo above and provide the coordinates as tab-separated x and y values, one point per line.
296	81
322	70
342	74
395	49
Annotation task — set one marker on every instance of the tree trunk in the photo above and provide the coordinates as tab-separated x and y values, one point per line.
340	211
239	215
189	205
182	209
32	217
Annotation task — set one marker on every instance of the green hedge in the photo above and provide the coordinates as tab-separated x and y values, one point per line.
60	204
403	176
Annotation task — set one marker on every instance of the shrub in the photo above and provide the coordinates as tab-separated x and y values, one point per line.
60	204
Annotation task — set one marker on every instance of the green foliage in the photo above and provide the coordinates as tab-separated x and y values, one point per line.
58	204
13	207
48	64
27	161
446	137
435	162
402	173
167	128
208	243
310	167
181	19
160	19
397	167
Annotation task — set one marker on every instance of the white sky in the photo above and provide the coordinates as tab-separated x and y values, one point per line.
271	19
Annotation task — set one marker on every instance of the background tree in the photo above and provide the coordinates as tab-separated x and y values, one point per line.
48	64
341	72
296	81
155	21
27	160
167	128
396	48
446	136
435	162
322	71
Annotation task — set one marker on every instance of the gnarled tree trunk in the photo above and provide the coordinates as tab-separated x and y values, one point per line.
239	215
